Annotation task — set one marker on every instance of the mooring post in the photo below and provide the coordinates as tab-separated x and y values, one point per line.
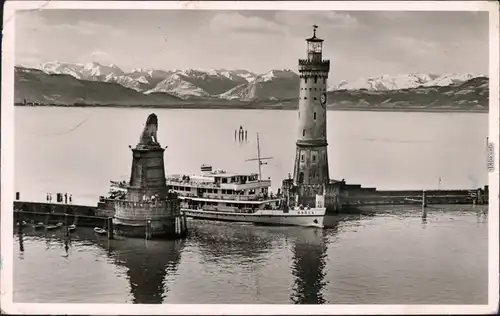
47	218
66	224
19	223
185	221
110	228
175	226
148	228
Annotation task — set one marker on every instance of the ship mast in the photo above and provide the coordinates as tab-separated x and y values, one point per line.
259	158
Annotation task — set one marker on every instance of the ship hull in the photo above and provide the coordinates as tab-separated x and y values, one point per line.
314	219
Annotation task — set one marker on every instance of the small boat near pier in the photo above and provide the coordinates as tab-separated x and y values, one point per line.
100	231
52	227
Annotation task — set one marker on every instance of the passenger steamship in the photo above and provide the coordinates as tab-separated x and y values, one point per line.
242	197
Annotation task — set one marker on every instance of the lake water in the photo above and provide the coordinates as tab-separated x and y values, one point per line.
395	258
386	259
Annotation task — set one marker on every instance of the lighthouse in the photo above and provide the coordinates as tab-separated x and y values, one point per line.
311	159
310	173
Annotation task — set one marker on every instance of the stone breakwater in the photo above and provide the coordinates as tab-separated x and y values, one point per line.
355	195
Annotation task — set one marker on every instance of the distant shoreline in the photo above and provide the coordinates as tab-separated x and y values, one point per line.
265	107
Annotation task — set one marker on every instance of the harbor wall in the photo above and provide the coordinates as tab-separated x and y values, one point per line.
138	222
355	195
58	212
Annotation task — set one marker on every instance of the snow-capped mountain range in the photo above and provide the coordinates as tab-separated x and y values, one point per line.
235	84
184	83
387	82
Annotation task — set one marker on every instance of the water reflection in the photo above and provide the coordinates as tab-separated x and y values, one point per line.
308	268
147	263
231	243
482	216
20	238
309	261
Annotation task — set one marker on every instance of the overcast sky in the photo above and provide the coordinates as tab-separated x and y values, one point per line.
358	43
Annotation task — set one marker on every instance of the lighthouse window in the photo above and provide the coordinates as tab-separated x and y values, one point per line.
303	132
314	115
314	157
302	157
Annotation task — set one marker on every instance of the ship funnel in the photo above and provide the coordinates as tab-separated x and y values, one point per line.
206	168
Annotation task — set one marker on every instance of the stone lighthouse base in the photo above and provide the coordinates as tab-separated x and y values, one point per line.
159	220
165	228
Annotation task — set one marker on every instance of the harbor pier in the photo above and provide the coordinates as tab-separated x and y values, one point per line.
355	197
50	216
148	208
145	210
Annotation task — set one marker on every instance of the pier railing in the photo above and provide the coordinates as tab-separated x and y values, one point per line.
141	210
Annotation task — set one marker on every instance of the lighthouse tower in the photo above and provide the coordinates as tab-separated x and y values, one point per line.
311	160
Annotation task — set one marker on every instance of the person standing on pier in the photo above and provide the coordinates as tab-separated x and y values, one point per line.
70	198
65	198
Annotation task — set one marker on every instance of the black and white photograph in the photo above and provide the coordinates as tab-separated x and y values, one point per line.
250	157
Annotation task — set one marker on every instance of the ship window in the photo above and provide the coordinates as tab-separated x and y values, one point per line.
314	115
303	132
305	98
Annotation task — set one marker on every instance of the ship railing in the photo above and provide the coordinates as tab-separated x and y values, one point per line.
218	209
179	180
193	183
230	197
